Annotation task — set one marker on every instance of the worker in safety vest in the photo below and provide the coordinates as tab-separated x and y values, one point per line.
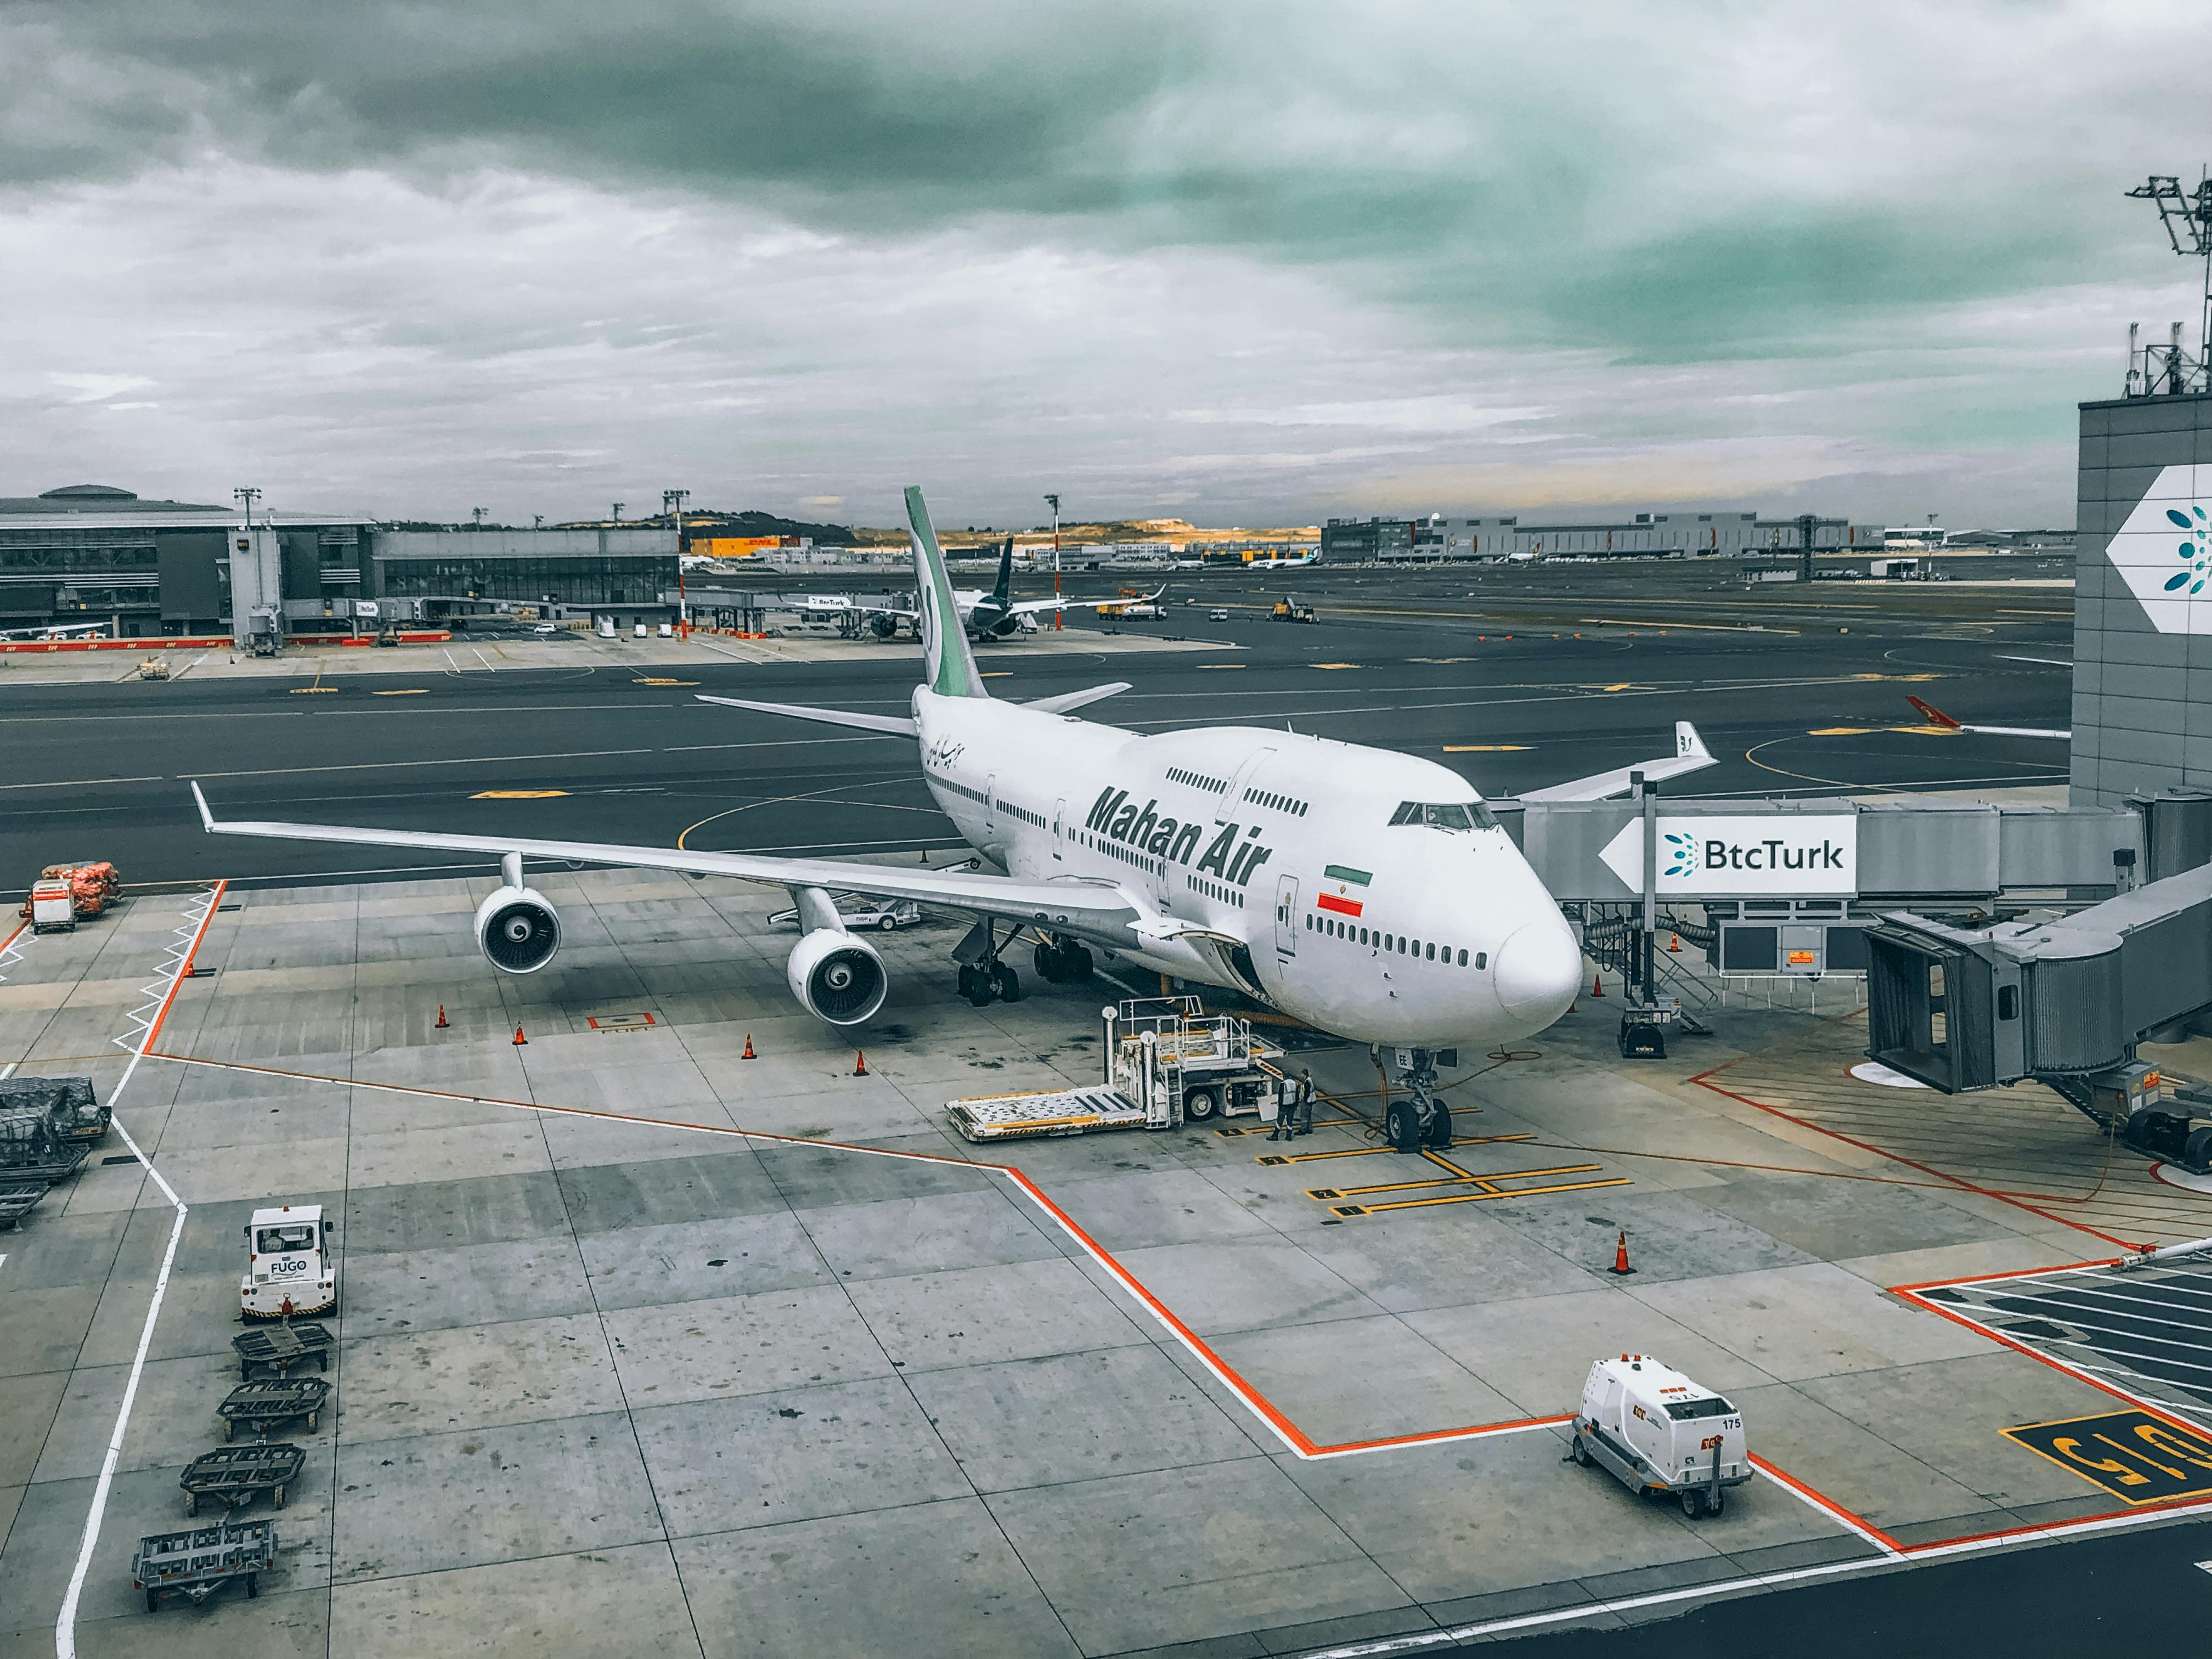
1302	1095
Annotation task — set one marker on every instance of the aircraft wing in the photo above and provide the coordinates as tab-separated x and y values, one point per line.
902	725
1690	755
1032	607
1099	910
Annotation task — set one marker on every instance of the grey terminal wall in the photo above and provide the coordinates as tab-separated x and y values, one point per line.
2142	599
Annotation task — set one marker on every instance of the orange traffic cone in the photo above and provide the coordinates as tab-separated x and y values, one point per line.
1674	944
749	1054
1620	1256
1597	985
518	1038
442	1021
860	1062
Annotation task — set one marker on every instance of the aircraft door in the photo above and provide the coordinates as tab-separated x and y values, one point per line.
1286	915
1059	828
991	802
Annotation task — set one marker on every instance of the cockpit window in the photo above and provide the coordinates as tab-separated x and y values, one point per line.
1448	815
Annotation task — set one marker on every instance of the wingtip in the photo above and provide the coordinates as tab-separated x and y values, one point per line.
1934	715
1690	742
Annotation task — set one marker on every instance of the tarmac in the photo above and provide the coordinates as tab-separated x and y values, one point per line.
647	1348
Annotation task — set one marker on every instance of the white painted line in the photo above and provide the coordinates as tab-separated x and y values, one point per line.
1847	1522
2202	1566
179	956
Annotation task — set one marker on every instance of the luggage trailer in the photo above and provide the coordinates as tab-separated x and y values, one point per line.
1167	1063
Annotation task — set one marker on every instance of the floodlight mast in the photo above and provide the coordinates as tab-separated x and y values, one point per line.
2187	217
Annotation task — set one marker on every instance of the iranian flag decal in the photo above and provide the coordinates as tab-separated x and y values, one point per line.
1346	878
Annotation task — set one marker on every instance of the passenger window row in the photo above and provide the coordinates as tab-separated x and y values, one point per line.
1297	809
1394	943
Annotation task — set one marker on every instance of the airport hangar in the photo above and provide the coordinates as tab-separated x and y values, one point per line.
155	569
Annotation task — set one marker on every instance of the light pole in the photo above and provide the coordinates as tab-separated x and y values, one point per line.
536	522
476	514
672	502
618	507
1054	502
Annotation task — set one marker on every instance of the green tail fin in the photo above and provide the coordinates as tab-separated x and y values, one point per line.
944	651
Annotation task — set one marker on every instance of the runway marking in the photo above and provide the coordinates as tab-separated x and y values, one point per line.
654	680
410	692
80	783
1487	748
1332	665
176	967
518	795
1221	667
386	766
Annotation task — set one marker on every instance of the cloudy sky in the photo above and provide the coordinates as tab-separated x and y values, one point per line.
1233	261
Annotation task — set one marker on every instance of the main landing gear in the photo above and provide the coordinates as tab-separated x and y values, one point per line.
1421	1119
985	978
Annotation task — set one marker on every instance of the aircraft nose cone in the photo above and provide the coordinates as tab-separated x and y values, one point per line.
1537	972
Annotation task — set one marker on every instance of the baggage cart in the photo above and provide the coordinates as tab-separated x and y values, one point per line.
263	1404
70	1105
200	1560
282	1346
235	1475
31	1151
17	1199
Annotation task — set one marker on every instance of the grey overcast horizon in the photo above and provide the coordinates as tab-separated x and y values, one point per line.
1235	263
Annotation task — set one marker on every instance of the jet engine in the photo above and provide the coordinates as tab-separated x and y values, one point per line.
837	977
518	929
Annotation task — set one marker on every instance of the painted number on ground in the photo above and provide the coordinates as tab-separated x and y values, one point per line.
2131	1454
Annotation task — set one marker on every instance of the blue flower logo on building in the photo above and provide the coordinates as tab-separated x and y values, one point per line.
1682	853
2196	552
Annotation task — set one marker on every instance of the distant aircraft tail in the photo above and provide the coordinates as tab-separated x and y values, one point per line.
1934	716
1004	591
949	664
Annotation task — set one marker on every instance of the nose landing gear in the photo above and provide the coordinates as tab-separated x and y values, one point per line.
1419	1120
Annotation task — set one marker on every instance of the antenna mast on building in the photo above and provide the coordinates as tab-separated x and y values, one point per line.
2187	217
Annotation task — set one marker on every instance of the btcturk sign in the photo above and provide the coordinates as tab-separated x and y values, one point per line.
1805	855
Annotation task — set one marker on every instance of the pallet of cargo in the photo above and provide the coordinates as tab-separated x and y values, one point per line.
200	1560
235	1475
281	1345
269	1401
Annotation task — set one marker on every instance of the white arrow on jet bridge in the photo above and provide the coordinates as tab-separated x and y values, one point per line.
1624	855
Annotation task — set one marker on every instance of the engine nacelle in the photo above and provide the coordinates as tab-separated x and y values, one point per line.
518	930
837	977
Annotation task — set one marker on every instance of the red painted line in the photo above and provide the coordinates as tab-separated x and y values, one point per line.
2164	1505
1821	1500
21	927
2009	1272
1703	1080
183	968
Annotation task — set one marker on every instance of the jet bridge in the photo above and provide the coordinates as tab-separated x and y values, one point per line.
2064	1002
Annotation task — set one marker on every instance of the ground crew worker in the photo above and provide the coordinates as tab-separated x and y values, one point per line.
1285	1114
1305	1102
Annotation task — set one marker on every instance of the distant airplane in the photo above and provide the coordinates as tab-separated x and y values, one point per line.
54	631
1280	562
1936	717
991	615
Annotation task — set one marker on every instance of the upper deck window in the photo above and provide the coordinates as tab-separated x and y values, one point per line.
1449	815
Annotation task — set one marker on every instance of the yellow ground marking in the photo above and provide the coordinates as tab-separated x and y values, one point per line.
1839	732
412	691
312	690
999	674
1332	665
518	795
1486	748
1472	1198
1623	686
1371	1151
1219	667
654	681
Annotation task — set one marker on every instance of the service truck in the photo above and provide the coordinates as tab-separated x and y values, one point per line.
289	1270
1654	1429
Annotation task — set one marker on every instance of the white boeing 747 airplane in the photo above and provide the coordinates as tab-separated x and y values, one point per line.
1365	892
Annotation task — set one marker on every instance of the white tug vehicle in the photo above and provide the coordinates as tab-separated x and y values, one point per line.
1654	1429
288	1272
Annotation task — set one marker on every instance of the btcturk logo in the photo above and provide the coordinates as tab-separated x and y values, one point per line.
1681	854
2194	551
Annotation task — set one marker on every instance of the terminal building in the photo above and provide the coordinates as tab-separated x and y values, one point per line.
1437	539
150	569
